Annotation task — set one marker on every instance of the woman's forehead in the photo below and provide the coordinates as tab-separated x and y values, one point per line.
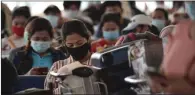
42	33
19	19
74	37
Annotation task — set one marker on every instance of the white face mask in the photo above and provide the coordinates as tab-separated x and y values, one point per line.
160	24
40	46
70	13
53	20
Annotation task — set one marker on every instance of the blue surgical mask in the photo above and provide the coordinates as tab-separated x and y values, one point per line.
190	6
160	24
53	20
40	46
111	35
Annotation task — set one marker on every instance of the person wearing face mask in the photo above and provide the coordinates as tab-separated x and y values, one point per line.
26	34
53	15
110	25
139	28
160	18
77	42
19	17
37	53
71	9
113	7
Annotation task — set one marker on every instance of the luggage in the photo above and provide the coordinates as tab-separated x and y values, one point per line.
76	78
144	56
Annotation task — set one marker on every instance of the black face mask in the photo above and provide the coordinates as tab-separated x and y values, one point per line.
79	53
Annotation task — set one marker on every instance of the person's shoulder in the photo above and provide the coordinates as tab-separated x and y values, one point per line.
15	50
62	62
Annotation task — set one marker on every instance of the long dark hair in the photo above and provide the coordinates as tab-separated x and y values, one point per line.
35	25
75	26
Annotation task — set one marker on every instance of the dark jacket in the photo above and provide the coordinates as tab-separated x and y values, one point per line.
9	77
23	61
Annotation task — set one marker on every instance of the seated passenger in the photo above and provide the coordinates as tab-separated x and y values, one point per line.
160	18
54	16
19	17
138	29
110	27
113	7
26	34
38	52
77	41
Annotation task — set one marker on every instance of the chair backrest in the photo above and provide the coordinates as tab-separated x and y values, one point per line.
25	82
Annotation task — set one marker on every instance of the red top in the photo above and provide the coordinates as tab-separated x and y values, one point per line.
100	44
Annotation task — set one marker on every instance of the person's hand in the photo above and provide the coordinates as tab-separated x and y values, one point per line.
38	71
34	71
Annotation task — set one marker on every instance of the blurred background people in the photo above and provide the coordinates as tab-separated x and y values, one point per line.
38	51
160	18
54	16
19	17
140	28
134	9
71	9
110	31
113	7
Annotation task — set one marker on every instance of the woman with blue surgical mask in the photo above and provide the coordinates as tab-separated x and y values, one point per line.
110	28
190	6
37	56
160	18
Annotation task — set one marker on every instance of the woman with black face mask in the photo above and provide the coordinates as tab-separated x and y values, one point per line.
77	42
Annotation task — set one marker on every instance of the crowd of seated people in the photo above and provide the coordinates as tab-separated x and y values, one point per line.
36	45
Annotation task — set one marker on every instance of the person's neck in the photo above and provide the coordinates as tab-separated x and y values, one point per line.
86	57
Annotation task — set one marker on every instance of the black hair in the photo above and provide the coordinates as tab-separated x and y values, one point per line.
67	4
88	25
75	26
164	12
39	24
94	14
110	17
30	19
3	20
52	9
111	3
21	11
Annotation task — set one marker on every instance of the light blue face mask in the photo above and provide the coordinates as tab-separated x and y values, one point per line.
40	46
111	35
160	24
53	20
26	37
190	8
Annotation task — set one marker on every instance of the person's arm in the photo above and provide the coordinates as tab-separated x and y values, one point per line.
50	79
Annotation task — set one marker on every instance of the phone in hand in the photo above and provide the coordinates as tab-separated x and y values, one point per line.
43	70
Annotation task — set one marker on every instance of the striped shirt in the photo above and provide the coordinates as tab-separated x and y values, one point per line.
51	79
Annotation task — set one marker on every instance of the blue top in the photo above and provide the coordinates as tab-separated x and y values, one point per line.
44	61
